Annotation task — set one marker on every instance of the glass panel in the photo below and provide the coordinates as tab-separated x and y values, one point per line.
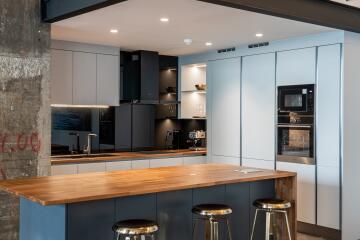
296	142
293	100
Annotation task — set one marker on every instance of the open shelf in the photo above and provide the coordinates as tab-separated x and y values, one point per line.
193	101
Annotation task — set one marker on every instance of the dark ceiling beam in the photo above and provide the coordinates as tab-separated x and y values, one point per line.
320	12
56	10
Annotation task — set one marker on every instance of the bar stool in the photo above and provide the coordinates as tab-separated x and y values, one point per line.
135	229
212	214
271	207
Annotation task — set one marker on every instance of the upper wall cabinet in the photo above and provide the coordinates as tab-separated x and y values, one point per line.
224	81
84	78
295	67
258	107
84	74
61	77
108	76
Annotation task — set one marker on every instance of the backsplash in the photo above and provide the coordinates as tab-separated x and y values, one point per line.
124	128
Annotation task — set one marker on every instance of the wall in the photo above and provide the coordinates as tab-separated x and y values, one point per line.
24	101
351	132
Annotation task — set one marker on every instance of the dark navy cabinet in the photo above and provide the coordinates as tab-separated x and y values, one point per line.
172	210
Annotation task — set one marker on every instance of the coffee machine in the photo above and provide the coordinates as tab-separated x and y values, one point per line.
197	138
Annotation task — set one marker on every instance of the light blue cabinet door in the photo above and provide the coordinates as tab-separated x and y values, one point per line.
258	107
224	77
295	67
328	135
84	78
328	105
108	80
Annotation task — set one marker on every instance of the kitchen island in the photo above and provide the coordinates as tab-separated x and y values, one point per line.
85	206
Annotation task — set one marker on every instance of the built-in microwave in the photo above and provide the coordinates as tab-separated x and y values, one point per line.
299	99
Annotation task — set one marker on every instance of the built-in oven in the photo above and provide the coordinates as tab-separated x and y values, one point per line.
295	128
296	143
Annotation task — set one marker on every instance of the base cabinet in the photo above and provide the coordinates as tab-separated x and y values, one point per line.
194	160
125	165
166	162
256	163
306	178
225	160
64	169
91	167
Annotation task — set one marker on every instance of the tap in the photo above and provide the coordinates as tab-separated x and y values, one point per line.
77	142
87	149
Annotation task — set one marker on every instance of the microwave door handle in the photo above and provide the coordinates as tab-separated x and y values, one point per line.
293	126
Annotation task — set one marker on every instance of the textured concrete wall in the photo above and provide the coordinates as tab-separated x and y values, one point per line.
24	101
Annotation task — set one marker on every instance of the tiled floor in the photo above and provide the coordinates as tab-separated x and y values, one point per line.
307	237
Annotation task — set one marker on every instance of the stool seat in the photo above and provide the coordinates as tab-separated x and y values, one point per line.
272	204
135	227
210	210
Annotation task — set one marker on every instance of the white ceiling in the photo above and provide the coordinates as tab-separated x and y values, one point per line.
138	22
354	3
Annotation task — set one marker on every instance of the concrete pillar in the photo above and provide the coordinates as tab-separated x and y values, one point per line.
25	117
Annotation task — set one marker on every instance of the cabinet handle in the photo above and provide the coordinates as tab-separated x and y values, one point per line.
294	126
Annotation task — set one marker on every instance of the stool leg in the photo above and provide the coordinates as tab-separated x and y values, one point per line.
254	223
267	227
287	224
214	229
229	229
194	232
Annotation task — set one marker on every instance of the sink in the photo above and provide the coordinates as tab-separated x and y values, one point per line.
79	156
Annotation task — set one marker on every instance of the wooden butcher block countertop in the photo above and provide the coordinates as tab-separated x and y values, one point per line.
67	159
96	186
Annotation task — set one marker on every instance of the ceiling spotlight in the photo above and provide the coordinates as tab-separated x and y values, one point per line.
114	31
208	44
164	19
259	35
188	41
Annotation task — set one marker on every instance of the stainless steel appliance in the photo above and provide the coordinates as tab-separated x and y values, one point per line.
196	137
296	138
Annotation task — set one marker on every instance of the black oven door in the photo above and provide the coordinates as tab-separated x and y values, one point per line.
296	143
292	99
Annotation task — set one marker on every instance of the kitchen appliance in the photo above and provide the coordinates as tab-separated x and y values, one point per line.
295	129
197	138
173	139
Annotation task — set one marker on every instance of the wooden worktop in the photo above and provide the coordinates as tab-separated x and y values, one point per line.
58	160
96	186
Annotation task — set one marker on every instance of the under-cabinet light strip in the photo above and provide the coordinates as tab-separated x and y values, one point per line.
78	106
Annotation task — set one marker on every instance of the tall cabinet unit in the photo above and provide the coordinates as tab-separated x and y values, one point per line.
296	67
328	135
224	118
258	111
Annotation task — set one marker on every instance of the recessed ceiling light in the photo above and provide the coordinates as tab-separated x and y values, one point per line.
208	44
114	31
164	19
259	35
188	41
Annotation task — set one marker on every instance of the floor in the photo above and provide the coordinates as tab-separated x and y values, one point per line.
307	237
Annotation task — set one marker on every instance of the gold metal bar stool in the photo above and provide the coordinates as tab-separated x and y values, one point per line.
135	229
212	214
271	207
